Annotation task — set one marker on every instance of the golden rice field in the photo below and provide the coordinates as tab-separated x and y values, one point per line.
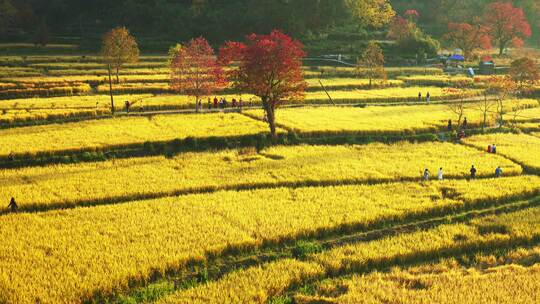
437	80
377	119
123	131
522	148
281	224
387	95
445	282
69	255
261	284
135	178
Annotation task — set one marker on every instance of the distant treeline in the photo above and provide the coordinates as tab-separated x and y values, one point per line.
217	20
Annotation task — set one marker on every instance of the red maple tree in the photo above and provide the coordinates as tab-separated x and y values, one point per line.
195	70
506	24
524	71
268	66
401	29
468	37
412	15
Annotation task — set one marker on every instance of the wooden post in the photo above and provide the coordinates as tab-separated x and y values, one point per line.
327	94
110	90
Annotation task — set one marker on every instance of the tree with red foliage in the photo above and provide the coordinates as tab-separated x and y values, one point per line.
412	15
401	29
506	24
524	72
468	37
195	70
270	67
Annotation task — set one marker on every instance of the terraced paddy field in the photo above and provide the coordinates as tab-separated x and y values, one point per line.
374	120
244	169
164	205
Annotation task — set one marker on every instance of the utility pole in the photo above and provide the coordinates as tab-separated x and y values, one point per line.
110	89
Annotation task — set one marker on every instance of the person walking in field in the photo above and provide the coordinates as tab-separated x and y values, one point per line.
425	177
440	174
419	96
498	172
127	106
428	97
209	104
215	102
473	172
490	149
494	149
465	123
13	205
449	125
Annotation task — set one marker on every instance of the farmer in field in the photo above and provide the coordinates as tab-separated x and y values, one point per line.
127	106
428	97
425	177
494	149
13	205
498	172
465	123
440	174
473	172
449	125
215	102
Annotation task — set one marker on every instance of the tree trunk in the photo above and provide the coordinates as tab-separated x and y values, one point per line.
117	75
269	108
485	110
502	46
110	90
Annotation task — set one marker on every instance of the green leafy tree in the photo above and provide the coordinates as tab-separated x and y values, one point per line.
376	13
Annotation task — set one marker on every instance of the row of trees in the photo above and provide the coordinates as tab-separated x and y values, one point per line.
501	24
182	19
267	66
522	78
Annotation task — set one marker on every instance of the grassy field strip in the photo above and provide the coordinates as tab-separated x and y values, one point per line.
372	120
70	255
123	131
521	148
36	188
484	234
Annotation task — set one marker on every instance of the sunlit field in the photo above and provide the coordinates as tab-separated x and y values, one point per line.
195	155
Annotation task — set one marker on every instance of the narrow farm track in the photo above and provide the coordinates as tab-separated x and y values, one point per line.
218	267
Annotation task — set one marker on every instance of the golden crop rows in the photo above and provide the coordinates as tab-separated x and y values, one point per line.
445	282
135	178
377	120
66	256
363	256
522	148
124	131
